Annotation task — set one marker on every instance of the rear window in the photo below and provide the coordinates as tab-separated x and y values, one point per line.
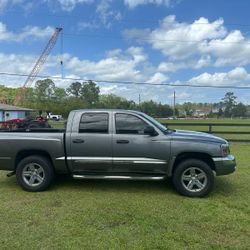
94	123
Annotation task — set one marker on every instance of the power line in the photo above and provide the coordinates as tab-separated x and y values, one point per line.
130	82
152	39
123	20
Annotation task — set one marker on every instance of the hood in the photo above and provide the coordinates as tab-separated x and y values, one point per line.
196	136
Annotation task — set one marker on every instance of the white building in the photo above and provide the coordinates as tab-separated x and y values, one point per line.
9	112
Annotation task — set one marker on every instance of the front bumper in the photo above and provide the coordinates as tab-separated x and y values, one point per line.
224	165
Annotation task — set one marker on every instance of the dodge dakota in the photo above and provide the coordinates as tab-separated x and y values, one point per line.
115	144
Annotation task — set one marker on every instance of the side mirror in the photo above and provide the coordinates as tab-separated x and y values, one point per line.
149	130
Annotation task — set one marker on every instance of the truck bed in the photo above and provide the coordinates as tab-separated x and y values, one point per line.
16	143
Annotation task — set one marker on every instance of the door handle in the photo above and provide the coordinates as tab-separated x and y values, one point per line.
78	141
122	141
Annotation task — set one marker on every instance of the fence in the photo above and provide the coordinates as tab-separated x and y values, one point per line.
210	127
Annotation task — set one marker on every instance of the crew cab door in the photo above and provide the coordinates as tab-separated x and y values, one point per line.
90	143
136	152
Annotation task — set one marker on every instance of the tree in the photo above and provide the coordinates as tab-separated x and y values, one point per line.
156	109
59	94
44	89
188	108
239	110
74	89
113	101
90	92
229	102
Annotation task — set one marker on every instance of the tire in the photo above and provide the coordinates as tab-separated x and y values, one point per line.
35	173
193	178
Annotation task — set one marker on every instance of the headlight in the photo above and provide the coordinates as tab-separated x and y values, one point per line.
225	149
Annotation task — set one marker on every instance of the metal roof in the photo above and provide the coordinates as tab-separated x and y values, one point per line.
7	107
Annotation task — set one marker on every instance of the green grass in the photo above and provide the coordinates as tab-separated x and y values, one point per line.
95	214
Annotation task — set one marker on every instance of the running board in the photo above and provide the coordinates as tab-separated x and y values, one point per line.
112	177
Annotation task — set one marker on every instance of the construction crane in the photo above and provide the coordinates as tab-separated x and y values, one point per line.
40	61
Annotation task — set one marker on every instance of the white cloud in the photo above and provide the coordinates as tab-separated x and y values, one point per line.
191	64
171	67
233	49
172	38
117	65
211	42
158	78
106	14
8	3
23	64
134	3
69	5
27	32
237	76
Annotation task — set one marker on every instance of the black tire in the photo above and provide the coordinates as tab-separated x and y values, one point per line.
193	178
37	167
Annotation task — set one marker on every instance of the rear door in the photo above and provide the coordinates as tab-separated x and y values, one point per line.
90	144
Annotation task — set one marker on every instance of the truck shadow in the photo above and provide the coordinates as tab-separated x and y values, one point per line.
63	181
222	186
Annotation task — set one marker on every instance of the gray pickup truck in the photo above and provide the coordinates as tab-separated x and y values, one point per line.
115	144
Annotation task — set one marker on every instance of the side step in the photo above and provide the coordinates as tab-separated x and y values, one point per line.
114	177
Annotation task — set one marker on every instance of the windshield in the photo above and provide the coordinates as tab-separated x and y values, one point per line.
155	122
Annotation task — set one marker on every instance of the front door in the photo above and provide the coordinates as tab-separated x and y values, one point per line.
136	152
91	145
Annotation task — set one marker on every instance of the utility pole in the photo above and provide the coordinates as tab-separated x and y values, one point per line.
174	105
139	99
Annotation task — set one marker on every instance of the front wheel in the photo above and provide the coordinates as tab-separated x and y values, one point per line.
34	173
193	178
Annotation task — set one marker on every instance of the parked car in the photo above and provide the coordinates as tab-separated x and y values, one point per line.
116	144
54	117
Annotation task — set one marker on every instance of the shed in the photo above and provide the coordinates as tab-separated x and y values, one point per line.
9	112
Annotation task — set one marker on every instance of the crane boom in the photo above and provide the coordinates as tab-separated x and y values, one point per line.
40	61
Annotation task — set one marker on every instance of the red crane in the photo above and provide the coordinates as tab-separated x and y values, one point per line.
40	61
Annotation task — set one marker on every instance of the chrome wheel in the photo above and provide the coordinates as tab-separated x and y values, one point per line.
33	174
194	179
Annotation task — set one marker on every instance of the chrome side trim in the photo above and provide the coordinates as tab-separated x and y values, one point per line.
90	158
5	158
227	158
103	177
60	158
32	139
135	160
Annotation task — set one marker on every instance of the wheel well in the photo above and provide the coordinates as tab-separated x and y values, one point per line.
26	153
194	155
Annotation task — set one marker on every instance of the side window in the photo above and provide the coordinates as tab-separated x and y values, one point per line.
129	124
94	123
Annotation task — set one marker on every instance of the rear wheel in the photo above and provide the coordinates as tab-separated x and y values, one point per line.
193	178
34	173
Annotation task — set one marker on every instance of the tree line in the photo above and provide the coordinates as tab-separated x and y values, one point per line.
47	97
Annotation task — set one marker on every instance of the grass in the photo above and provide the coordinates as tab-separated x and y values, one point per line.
95	214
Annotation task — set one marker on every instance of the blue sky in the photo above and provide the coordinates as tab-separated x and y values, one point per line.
155	41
